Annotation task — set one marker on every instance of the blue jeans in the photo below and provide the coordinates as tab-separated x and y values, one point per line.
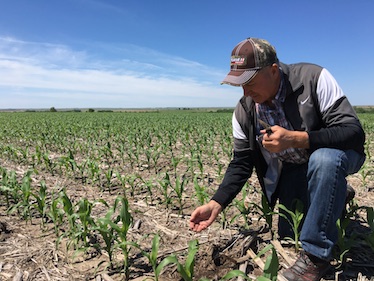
321	185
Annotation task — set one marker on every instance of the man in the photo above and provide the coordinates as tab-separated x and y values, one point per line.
313	141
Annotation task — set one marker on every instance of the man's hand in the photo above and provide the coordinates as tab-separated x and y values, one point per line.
204	216
281	139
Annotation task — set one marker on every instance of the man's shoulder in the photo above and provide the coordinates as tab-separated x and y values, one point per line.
302	71
301	66
244	108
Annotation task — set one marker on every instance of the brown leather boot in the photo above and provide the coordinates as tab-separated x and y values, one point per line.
307	268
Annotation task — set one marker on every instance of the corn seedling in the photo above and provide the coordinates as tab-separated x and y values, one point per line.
186	270
121	225
179	188
49	164
77	233
131	181
271	266
9	187
103	227
87	223
200	192
175	162
165	190
23	206
41	201
266	212
93	171
243	208
56	214
295	221
108	176
344	244
149	185
152	258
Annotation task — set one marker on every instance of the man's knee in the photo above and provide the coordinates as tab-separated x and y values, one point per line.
325	158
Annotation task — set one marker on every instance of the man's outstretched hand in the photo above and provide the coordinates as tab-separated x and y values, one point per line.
204	216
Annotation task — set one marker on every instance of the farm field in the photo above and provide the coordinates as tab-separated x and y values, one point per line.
107	196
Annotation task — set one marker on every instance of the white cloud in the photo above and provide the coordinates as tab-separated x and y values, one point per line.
42	75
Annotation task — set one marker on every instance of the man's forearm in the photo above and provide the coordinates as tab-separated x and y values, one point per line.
237	173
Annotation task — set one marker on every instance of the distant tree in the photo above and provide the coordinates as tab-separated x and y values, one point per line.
91	110
52	109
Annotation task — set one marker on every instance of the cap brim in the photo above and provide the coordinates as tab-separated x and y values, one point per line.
238	78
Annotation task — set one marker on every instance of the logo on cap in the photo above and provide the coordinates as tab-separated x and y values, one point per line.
239	61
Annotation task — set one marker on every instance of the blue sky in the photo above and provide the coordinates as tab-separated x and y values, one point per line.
170	53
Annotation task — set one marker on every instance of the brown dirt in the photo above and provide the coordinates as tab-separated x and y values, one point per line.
29	251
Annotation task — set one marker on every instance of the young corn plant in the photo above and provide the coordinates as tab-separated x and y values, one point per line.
107	152
149	184
295	221
108	176
186	270
23	206
271	265
9	187
155	157
94	171
81	168
41	201
49	164
74	232
200	192
157	267
179	189
165	190
103	227
344	244
87	223
56	215
243	208
200	164
132	182
266	212
175	160
38	155
70	162
120	178
121	225
217	157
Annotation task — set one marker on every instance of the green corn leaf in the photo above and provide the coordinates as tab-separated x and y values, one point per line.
155	246
172	259
190	261
271	266
235	273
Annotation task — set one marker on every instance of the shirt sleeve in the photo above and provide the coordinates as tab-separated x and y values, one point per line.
239	169
237	173
328	90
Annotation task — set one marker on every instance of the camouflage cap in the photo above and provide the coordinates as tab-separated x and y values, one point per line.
247	58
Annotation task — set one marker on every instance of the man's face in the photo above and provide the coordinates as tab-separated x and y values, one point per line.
264	86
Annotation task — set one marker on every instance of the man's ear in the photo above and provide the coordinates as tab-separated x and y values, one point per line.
274	69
